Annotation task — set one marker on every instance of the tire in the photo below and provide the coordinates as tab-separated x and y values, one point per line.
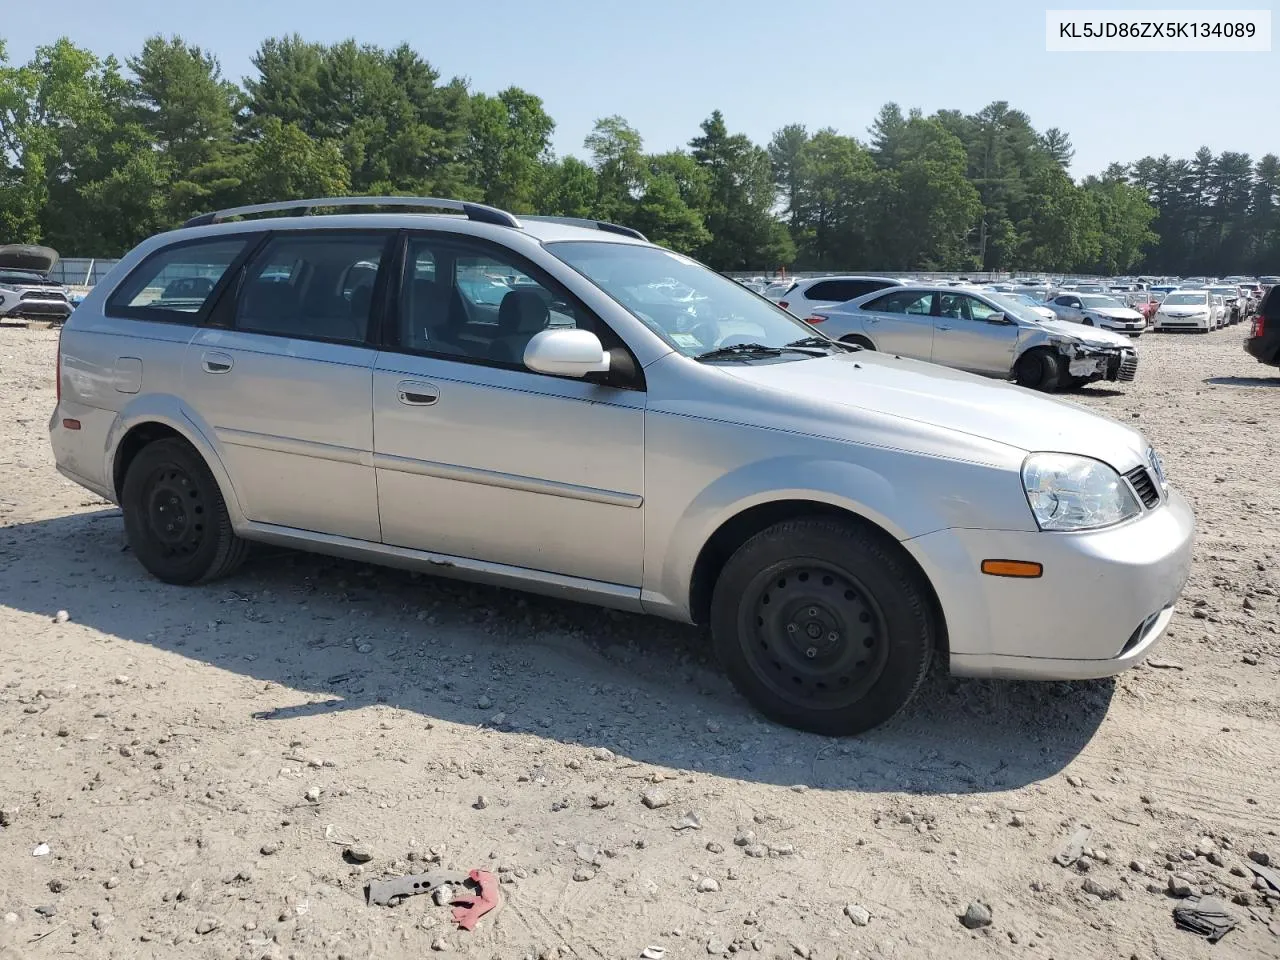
1039	369
857	340
823	625
175	518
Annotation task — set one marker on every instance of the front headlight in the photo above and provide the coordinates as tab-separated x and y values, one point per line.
1068	492
11	289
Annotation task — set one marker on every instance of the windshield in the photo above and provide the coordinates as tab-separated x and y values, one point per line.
1184	299
20	276
1105	303
1014	307
690	306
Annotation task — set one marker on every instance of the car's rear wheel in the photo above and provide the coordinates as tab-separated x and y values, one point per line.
175	517
823	625
1039	369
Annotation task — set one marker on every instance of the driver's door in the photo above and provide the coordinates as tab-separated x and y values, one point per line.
1068	307
972	335
478	457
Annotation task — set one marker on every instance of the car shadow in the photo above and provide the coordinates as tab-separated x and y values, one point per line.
1272	381
1089	390
346	635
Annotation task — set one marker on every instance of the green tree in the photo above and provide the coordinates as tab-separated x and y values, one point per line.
509	142
286	164
566	188
617	153
744	232
1124	224
189	112
786	151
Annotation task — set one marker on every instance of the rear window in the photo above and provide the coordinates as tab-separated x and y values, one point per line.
312	286
842	290
175	283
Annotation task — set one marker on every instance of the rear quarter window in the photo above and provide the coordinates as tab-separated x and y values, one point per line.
175	284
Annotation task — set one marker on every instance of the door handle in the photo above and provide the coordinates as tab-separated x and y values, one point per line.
215	362
941	328
873	319
415	394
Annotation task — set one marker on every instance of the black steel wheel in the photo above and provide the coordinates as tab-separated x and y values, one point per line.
175	517
820	635
823	624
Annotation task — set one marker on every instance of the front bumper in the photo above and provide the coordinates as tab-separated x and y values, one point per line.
1200	322
42	309
1124	326
1104	601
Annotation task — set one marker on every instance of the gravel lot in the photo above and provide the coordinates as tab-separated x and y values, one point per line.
196	760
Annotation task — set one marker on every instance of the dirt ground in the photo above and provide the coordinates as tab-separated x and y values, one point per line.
197	760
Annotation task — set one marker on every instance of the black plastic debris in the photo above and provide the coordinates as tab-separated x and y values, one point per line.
1205	916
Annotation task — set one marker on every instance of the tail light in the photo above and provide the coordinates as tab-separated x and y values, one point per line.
815	318
1257	326
58	371
783	304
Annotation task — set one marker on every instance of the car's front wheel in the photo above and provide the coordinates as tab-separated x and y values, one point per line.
823	625
1039	369
175	517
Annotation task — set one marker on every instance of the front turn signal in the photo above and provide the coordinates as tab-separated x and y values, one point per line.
1012	568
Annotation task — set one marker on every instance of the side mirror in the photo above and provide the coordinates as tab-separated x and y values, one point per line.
999	319
566	353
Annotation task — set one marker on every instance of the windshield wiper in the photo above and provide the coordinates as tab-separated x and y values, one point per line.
824	342
740	350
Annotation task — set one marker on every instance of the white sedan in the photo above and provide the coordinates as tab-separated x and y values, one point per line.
1098	310
1187	310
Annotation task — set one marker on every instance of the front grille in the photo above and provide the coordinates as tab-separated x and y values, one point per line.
1128	365
1143	486
44	295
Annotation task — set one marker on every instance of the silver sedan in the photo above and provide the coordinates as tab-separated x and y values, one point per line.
980	332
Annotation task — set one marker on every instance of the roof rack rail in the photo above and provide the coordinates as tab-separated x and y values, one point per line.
474	211
596	224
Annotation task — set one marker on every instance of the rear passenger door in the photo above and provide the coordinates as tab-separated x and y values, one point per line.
901	322
282	378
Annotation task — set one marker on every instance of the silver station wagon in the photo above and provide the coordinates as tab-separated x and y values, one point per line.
562	407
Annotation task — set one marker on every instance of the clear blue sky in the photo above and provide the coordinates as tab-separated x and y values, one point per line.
664	65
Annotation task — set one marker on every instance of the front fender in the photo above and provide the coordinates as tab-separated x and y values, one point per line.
171	412
848	486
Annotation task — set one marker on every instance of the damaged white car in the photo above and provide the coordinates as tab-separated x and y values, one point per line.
980	332
26	292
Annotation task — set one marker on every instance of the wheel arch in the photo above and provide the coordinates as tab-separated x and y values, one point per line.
736	530
154	418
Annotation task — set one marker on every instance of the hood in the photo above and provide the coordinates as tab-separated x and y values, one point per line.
952	400
1117	313
1093	336
23	256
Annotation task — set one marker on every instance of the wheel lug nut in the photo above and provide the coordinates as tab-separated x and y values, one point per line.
811	652
813	611
791	628
833	637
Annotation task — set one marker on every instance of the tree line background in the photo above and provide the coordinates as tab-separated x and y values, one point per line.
96	155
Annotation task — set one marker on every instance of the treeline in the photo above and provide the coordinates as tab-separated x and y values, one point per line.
96	155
